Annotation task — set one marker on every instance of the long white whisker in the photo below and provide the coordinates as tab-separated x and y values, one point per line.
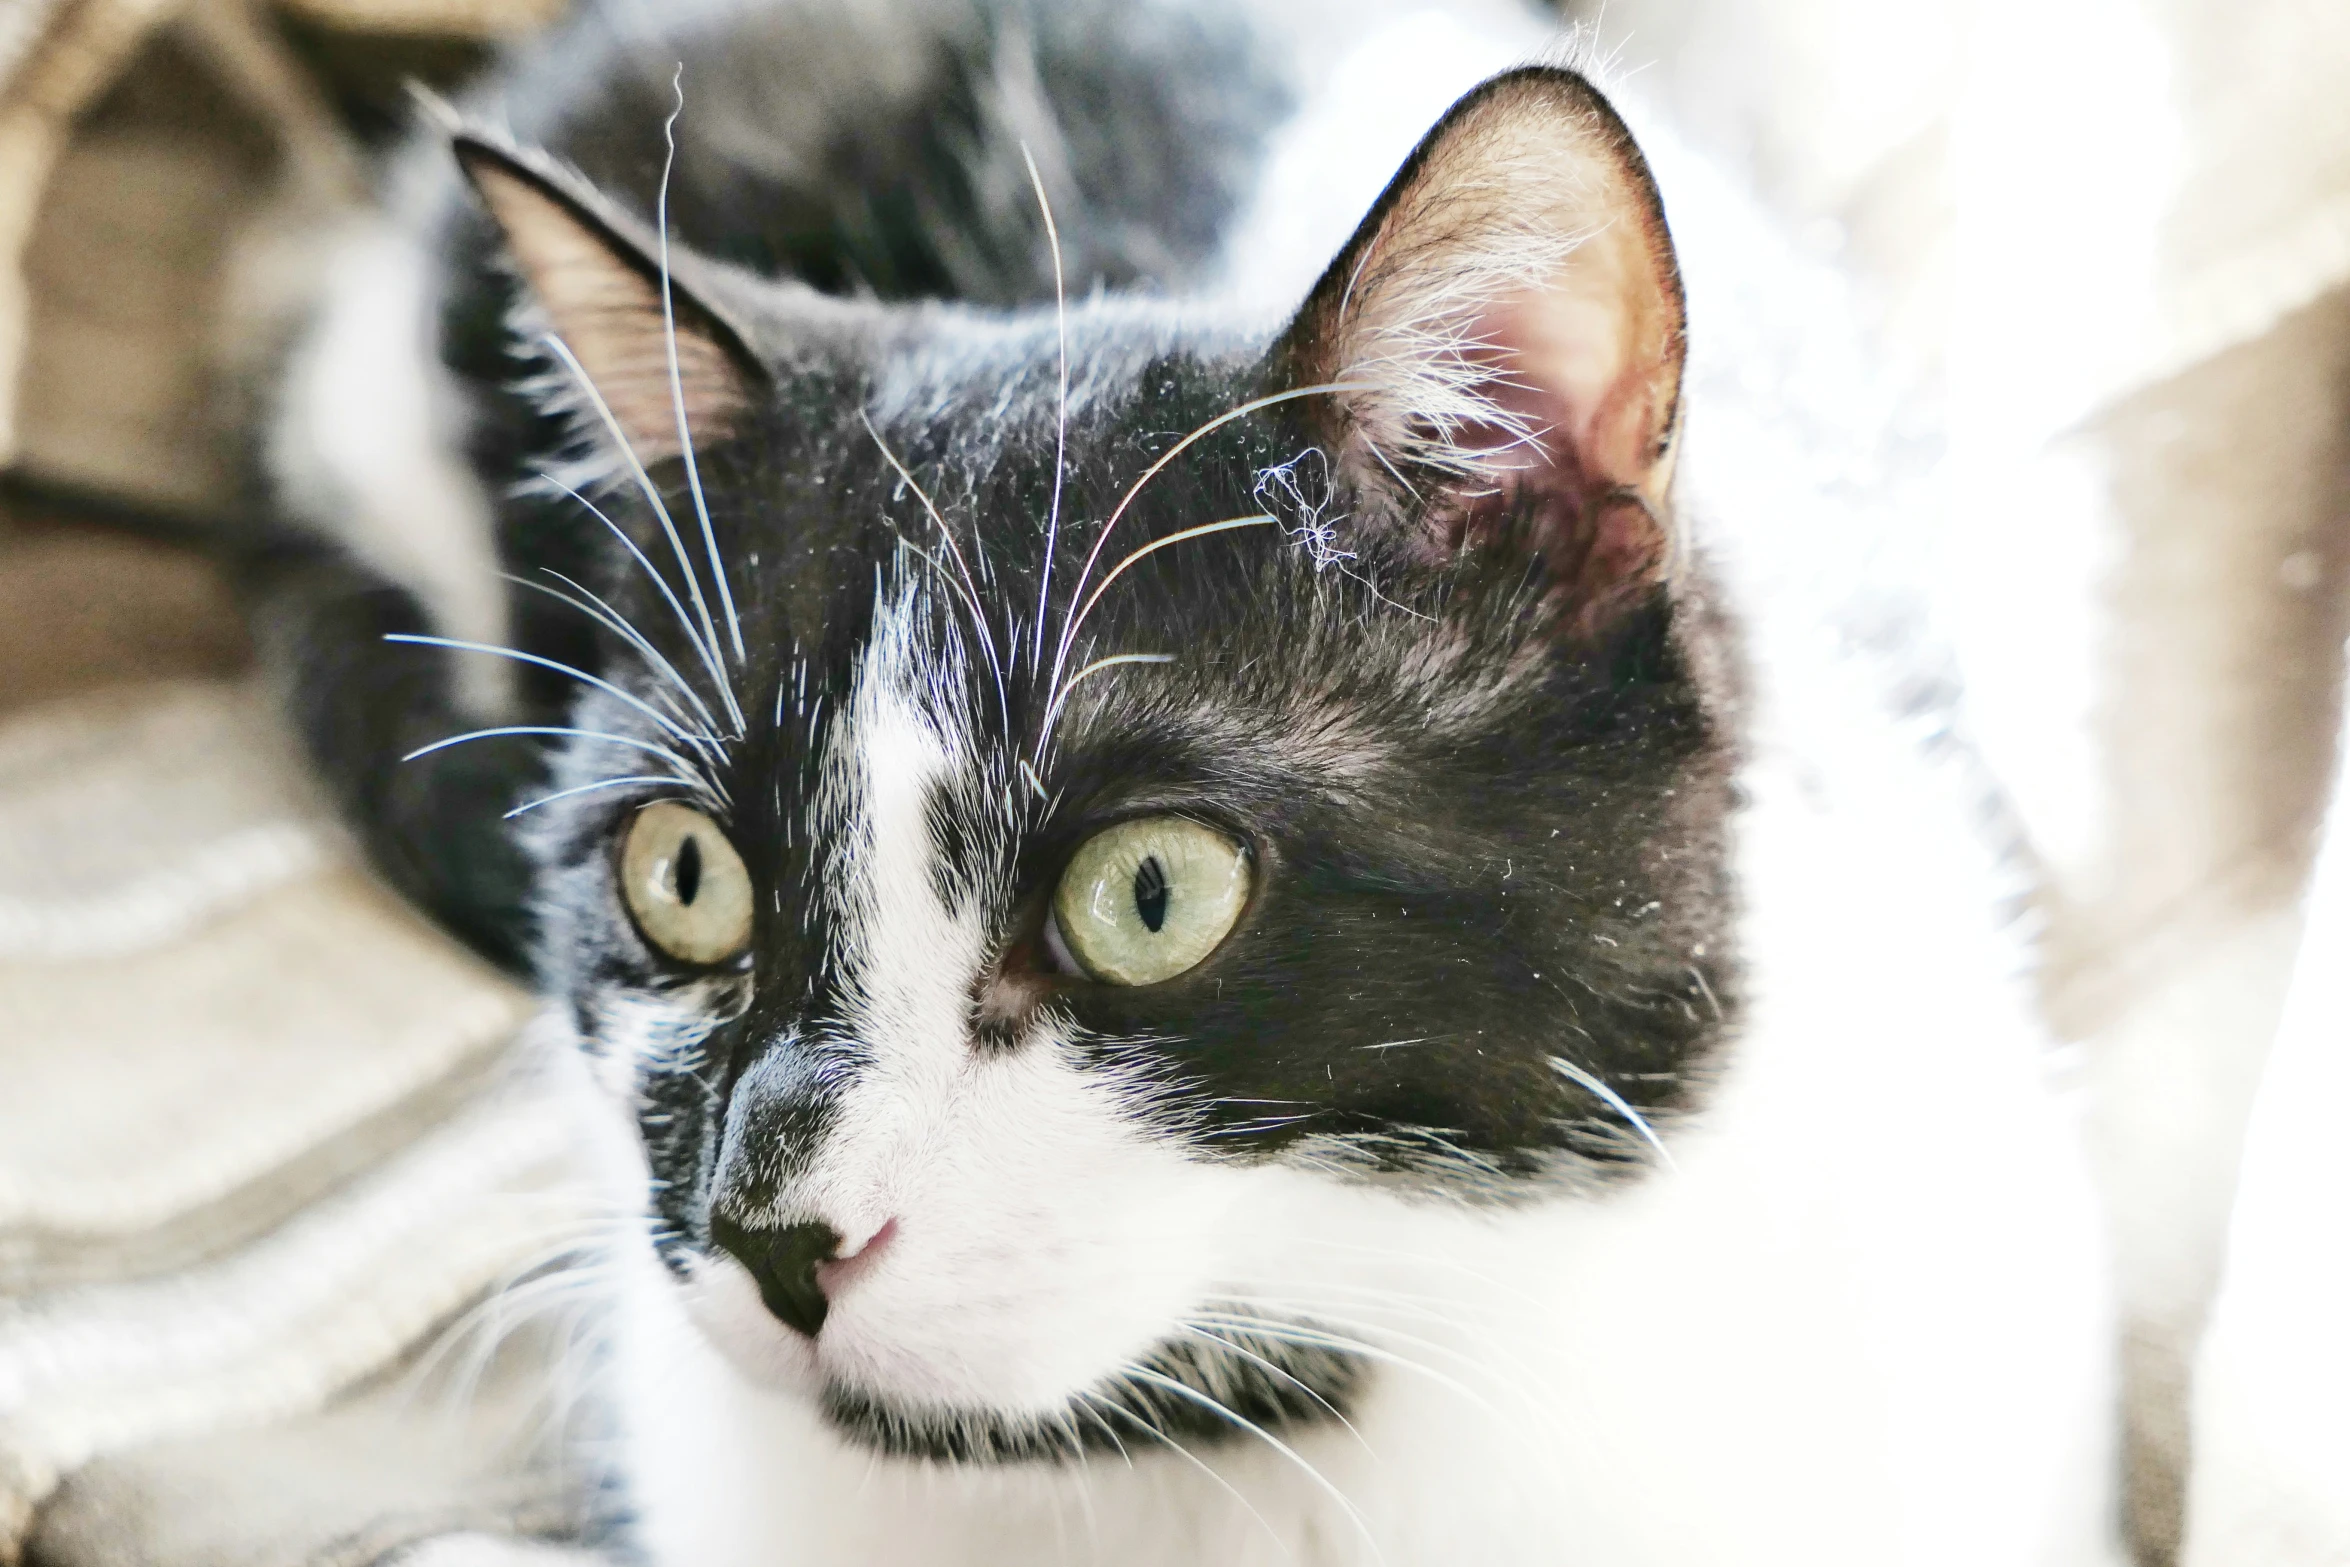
1093	1531
1053	714
1084	1406
1069	633
1077	621
1198	1327
685	622
1196	1462
946	535
1615	1101
655	714
1052	531
602	783
1337	1326
647	746
652	493
685	438
596	609
1320	1338
1242	1422
638	640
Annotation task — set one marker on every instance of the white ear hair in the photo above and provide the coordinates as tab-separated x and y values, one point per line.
1412	337
1508	321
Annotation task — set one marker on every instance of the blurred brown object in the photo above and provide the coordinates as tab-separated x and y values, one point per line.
83	608
165	169
144	139
446	18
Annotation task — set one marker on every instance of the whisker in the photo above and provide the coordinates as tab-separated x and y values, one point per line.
1197	1462
648	746
1198	1329
1084	1405
684	621
1077	622
605	783
1615	1101
1068	634
946	534
658	717
1053	713
1354	1344
1052	530
685	439
1345	1343
652	493
596	609
1241	1422
640	642
1067	1421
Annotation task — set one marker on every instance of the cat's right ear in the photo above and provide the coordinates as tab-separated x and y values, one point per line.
598	281
1503	341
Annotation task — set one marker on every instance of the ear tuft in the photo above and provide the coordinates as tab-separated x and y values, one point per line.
1507	327
599	284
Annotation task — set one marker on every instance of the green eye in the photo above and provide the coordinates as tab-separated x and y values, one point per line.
686	887
1145	900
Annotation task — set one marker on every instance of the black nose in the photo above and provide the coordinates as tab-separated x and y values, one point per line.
784	1262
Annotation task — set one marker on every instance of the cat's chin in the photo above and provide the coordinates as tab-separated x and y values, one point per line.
1187	1392
1193	1387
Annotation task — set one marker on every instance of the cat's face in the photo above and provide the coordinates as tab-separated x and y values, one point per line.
1142	834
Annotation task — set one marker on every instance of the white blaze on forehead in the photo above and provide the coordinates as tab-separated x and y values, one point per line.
905	958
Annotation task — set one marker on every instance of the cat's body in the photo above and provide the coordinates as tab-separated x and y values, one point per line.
1611	1129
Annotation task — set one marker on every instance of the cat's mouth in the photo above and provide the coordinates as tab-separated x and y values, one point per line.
1212	1383
1227	1372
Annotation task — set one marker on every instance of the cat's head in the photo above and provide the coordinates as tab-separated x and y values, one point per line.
1093	819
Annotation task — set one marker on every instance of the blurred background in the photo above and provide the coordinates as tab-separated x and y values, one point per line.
259	1128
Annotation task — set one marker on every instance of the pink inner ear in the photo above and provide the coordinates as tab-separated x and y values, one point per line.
1587	479
1567	361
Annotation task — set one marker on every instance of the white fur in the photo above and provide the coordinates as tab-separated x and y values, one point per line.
365	448
1858	1323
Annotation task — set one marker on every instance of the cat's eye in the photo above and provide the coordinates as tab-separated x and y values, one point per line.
686	887
1145	900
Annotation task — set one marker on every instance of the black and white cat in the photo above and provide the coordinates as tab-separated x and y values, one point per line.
1244	911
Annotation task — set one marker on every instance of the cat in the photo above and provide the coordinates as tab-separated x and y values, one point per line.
1077	569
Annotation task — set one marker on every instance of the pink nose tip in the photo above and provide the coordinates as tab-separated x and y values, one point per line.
845	1266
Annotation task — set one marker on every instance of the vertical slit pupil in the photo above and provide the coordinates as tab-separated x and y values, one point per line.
689	869
1150	892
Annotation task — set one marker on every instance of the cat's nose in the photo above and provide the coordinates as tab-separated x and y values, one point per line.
784	1262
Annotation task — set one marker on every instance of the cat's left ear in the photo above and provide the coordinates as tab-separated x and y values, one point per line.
598	279
1506	328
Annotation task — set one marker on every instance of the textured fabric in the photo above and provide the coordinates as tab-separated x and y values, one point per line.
264	1135
263	1132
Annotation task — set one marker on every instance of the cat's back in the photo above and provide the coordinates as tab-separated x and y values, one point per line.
885	148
